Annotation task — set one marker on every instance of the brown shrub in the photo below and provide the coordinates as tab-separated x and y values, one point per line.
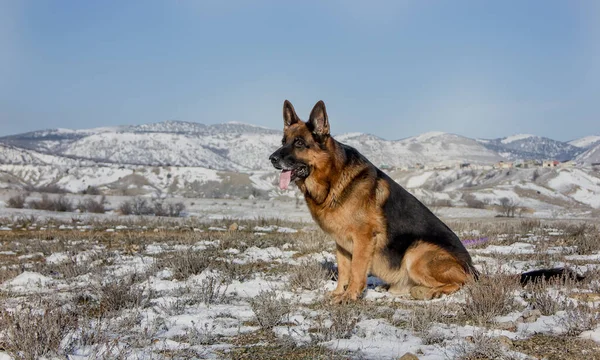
472	202
269	309
17	201
186	263
33	332
309	275
91	205
60	203
488	297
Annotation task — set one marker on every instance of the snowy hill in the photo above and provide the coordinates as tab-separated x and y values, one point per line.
231	146
429	148
242	147
586	142
15	155
525	146
591	156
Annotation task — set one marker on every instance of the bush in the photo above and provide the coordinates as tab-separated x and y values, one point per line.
488	297
480	346
17	201
60	203
136	206
579	318
424	317
472	202
33	333
141	206
213	290
337	321
93	206
185	263
170	210
309	275
585	237
269	310
121	294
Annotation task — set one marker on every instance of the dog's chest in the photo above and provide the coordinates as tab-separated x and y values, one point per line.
335	221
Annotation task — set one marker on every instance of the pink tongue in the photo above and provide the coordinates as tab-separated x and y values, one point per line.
284	179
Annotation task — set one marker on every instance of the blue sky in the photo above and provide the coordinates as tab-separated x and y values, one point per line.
391	68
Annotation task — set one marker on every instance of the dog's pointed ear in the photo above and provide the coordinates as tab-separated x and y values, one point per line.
289	114
318	121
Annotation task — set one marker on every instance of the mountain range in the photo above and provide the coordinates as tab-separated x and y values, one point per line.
241	147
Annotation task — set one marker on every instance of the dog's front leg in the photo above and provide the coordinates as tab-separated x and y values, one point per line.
344	261
362	256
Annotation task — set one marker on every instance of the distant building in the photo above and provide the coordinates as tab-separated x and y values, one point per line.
550	163
504	165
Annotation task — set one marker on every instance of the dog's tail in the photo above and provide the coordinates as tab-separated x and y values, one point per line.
560	274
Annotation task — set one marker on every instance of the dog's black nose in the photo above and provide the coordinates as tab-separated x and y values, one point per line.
274	158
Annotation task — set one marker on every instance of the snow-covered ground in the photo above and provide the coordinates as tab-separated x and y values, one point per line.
240	279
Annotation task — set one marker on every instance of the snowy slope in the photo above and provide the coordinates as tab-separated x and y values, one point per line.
148	149
524	146
429	148
242	147
14	155
591	156
231	146
586	142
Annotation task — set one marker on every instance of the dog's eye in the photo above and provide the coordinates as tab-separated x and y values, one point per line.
299	143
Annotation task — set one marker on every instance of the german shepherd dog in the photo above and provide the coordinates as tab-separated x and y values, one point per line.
378	226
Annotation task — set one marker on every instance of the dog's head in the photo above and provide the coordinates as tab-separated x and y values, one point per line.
303	144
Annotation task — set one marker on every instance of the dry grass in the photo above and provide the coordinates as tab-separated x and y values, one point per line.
269	309
185	263
121	294
309	275
585	237
490	296
337	321
579	318
543	346
481	346
33	332
425	316
310	242
213	290
111	311
541	299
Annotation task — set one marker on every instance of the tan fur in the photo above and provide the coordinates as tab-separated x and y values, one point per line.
434	269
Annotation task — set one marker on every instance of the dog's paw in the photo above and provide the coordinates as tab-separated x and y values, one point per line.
336	292
421	293
346	298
